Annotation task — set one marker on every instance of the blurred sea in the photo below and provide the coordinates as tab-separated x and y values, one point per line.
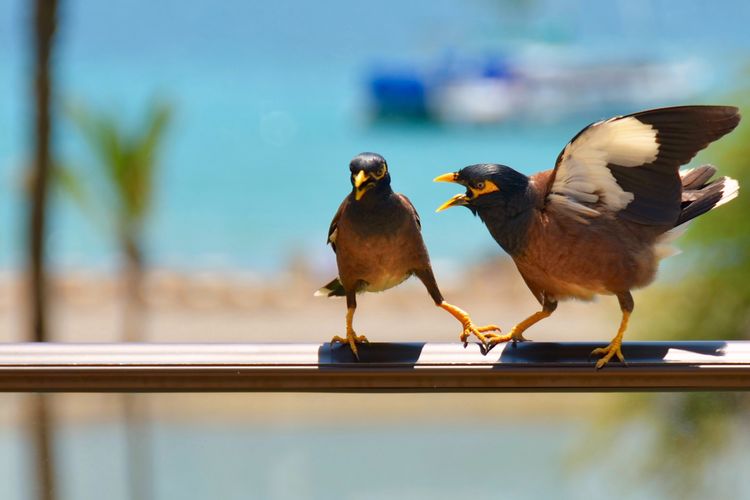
269	100
269	111
516	459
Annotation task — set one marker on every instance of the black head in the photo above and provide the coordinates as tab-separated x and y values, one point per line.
369	174
487	185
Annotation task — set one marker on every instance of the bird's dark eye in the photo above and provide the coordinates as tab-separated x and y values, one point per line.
480	185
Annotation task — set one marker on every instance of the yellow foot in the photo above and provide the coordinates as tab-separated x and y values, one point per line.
470	329
352	339
515	335
613	349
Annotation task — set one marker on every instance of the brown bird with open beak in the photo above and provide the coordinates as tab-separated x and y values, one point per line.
376	235
601	220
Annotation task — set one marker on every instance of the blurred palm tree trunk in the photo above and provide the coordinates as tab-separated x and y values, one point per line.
135	407
45	28
133	269
127	167
41	420
45	17
139	451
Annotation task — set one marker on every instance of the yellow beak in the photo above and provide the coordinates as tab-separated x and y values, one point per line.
458	200
360	179
451	177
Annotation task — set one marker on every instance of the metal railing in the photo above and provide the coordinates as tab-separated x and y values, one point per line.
411	367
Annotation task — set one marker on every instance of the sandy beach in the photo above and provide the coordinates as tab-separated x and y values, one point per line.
212	307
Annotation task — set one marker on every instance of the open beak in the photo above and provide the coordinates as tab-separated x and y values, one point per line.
458	200
359	180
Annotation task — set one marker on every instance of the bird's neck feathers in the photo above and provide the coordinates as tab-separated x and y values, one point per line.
375	196
377	212
508	219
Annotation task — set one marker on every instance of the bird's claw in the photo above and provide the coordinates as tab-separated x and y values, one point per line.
352	339
478	331
512	336
607	353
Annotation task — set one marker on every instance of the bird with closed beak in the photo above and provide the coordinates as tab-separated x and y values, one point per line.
376	236
600	221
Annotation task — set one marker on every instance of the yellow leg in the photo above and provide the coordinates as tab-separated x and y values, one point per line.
516	333
468	325
351	337
615	347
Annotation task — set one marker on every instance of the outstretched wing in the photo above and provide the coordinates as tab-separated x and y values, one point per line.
629	165
333	229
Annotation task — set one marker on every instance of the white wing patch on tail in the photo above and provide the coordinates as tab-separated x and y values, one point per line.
730	191
664	247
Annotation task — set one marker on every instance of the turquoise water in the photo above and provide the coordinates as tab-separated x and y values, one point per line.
269	111
508	459
310	462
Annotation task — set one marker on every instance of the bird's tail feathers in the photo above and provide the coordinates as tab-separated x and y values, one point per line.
699	196
696	178
332	289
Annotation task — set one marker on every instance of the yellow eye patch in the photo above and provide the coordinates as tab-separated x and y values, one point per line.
380	173
484	187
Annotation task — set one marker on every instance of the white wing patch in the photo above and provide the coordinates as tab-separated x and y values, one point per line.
583	176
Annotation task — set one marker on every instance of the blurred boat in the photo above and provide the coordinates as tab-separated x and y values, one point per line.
498	88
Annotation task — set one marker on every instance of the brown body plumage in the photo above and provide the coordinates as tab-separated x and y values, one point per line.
601	220
568	259
379	245
376	235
